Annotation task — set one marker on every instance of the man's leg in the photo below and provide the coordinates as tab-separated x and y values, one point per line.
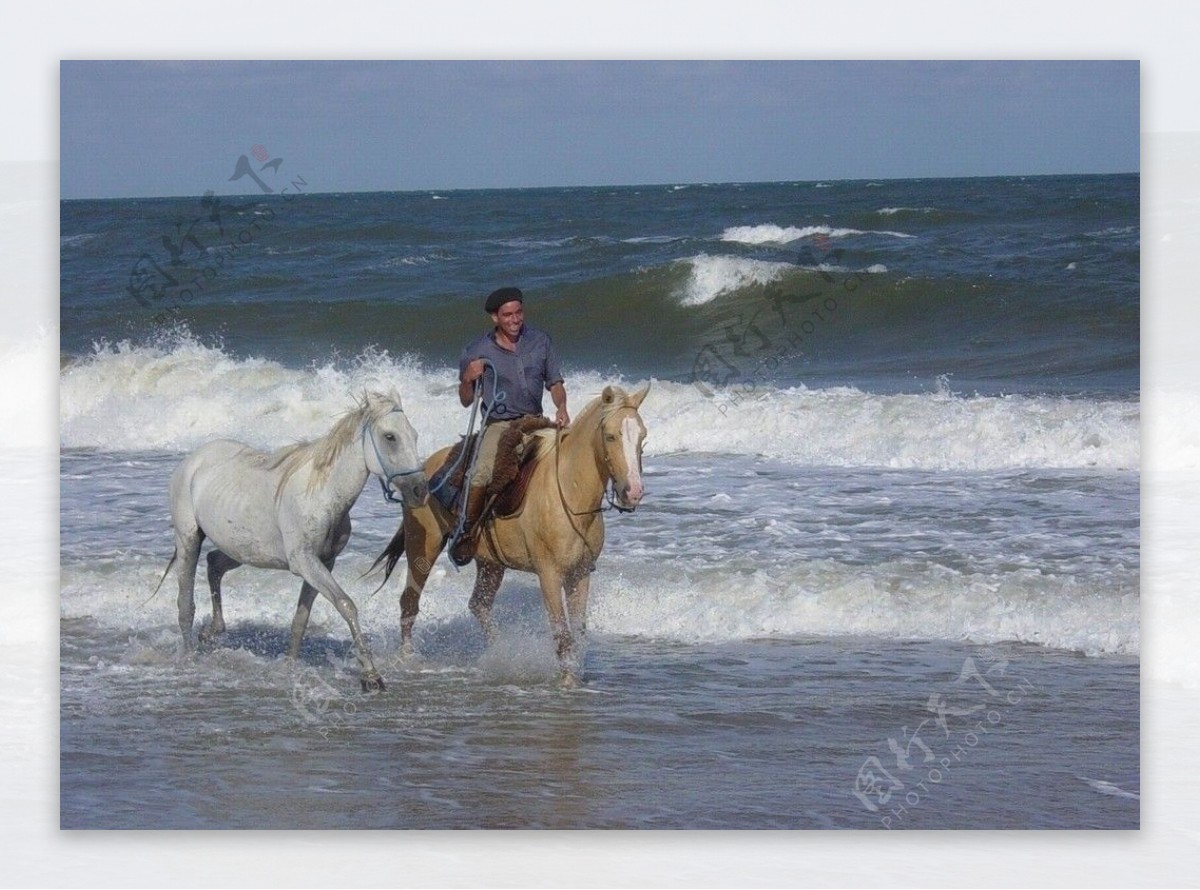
463	550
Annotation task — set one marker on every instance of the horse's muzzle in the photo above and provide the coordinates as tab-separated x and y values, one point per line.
414	490
630	496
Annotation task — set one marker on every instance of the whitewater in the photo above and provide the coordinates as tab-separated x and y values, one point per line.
756	479
178	393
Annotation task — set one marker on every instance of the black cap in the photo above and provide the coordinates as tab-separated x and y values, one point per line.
498	298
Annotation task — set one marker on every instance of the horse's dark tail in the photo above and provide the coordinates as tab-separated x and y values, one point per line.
166	572
389	557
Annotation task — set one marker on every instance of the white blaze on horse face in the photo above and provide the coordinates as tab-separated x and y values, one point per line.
630	433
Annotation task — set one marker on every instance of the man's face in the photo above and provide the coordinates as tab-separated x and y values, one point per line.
510	317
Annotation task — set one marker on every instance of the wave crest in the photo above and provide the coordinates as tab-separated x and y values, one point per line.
712	276
175	395
769	233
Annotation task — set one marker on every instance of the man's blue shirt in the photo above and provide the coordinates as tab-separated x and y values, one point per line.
521	376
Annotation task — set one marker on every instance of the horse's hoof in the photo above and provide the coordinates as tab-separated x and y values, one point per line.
372	683
569	680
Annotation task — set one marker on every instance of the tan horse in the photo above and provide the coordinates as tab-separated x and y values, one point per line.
558	532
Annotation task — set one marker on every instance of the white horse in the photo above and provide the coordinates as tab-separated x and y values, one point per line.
290	509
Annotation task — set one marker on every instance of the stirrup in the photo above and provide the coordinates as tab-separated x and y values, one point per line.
462	551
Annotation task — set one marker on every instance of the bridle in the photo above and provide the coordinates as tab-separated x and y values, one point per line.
612	479
385	478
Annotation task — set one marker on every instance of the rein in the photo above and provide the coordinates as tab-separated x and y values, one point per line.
608	488
385	481
571	514
499	396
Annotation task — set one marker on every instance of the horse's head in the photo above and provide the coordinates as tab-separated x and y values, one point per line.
622	434
390	448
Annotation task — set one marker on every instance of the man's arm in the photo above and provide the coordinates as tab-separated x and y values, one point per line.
558	393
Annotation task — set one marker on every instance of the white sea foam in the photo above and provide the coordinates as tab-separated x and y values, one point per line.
1106	787
770	233
172	396
178	395
412	260
893	601
669	601
653	239
711	276
936	431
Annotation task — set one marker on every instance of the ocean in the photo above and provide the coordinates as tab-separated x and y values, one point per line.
885	575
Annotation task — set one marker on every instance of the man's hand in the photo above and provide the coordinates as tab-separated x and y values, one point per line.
559	393
466	386
474	371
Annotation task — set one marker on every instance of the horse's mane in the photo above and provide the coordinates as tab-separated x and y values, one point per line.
598	406
594	412
322	453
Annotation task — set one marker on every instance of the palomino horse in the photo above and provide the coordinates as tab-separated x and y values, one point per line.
557	534
290	509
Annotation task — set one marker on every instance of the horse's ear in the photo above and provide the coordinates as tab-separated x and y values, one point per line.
608	395
637	398
394	395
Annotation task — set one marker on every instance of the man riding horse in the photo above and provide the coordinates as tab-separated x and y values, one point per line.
551	520
516	363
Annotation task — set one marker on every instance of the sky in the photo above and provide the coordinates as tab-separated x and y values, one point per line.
147	128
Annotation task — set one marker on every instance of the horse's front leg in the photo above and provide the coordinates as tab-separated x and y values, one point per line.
577	585
308	593
423	540
488	576
313	570
552	595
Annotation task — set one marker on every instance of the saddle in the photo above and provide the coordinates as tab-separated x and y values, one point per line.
516	454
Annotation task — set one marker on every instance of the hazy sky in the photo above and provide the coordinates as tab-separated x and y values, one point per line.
177	128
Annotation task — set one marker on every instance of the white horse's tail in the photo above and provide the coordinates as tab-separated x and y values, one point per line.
166	572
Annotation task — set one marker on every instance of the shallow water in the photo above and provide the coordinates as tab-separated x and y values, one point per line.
757	734
759	633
